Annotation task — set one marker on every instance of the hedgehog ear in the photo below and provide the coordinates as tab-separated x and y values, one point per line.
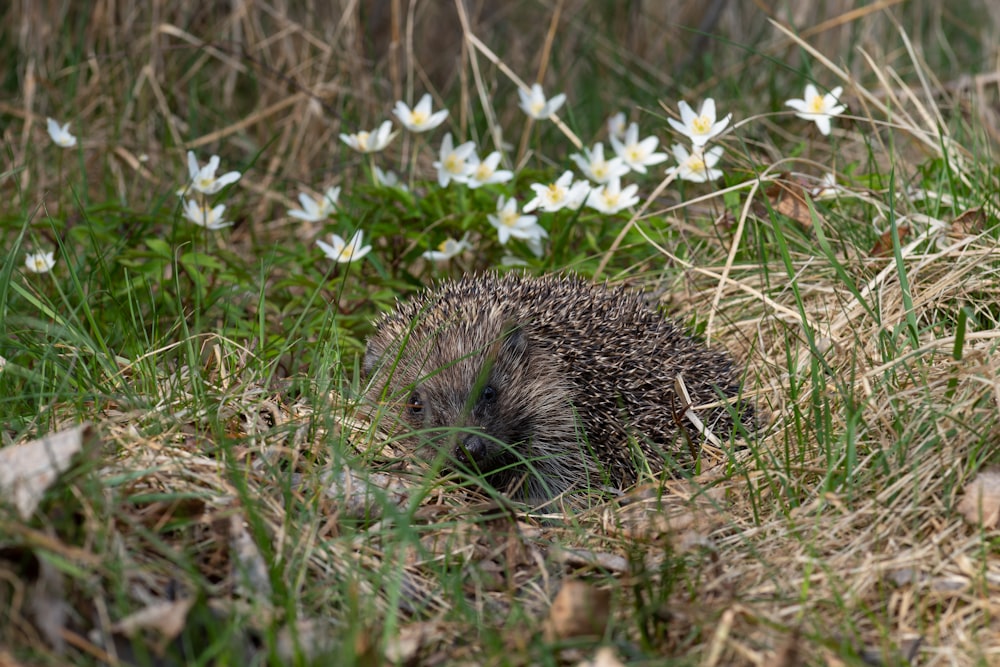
515	340
372	358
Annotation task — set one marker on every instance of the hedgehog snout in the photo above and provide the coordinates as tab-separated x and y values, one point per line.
472	450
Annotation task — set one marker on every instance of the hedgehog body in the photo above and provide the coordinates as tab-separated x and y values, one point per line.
543	385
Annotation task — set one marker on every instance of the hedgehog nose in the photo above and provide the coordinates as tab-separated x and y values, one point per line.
471	450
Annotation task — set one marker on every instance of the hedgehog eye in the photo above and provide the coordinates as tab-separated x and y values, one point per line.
415	406
489	394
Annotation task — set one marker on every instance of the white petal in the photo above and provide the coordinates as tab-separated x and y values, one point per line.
708	109
679	126
402	112
718	127
553	105
424	105
687	113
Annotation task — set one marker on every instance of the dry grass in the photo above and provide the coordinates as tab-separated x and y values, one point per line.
833	540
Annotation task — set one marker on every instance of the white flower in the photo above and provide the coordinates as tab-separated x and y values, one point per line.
818	108
370	142
389	179
3	363
342	252
616	125
596	168
203	179
453	164
448	249
40	262
60	134
316	209
535	105
558	195
420	119
610	198
701	126
203	216
578	193
486	172
827	188
637	154
510	224
696	166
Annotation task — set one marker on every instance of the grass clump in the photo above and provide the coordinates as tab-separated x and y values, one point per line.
230	503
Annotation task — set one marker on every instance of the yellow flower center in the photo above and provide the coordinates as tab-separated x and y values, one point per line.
363	140
696	164
454	165
599	169
611	198
556	193
701	125
39	264
418	118
483	172
634	153
816	104
536	107
508	218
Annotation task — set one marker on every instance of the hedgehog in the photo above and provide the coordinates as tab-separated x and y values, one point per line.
538	386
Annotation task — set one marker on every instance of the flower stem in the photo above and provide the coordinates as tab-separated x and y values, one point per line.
59	163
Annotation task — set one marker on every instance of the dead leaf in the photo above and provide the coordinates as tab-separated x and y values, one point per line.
906	576
47	601
249	568
789	654
405	647
167	618
311	639
904	655
364	496
681	514
883	246
788	197
588	558
579	610
603	657
27	471
967	223
171	633
980	503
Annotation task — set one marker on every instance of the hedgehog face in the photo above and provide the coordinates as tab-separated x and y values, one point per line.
462	401
481	397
